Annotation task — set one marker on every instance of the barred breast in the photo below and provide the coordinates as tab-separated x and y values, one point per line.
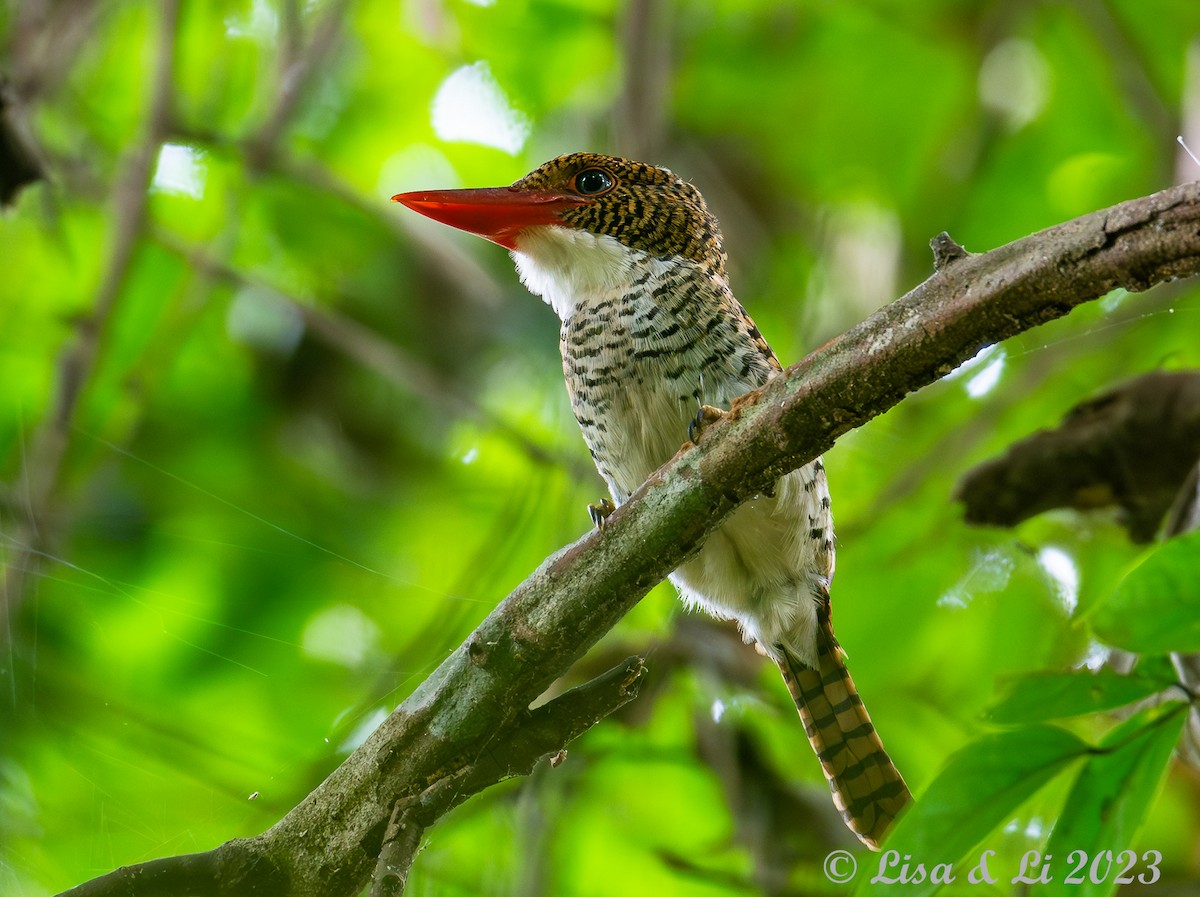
639	360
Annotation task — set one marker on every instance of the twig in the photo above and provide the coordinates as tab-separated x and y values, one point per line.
541	734
376	353
42	470
441	262
294	80
642	104
20	157
400	843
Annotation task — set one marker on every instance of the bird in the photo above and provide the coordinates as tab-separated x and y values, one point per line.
655	349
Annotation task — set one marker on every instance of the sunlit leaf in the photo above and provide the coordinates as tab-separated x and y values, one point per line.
1155	609
979	789
1045	696
1090	845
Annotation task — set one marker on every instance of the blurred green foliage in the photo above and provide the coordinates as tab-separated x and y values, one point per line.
1156	607
270	447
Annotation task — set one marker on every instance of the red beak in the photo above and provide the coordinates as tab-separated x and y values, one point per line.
495	213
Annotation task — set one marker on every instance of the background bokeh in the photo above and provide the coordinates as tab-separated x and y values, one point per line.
270	445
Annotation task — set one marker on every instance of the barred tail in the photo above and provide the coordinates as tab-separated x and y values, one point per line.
867	787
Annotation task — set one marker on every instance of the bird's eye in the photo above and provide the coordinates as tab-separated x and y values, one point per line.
593	182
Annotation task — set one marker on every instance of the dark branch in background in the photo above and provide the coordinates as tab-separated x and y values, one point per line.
641	111
471	707
42	470
19	164
41	34
1136	447
1131	447
1184	515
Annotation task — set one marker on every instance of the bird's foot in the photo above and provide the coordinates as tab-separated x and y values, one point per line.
599	512
705	417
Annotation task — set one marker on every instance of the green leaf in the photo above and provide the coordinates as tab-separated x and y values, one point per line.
1043	696
980	788
1108	803
1155	609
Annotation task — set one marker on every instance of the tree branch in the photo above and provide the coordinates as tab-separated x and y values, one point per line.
1131	446
544	733
329	843
239	867
298	67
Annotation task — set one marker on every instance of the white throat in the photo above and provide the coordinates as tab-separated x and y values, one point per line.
566	266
